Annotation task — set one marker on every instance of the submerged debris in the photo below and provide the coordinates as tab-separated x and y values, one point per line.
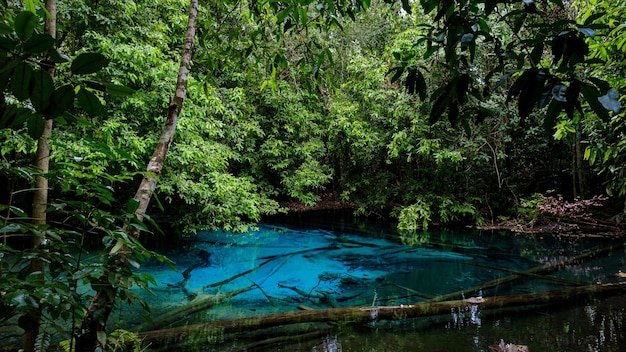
508	347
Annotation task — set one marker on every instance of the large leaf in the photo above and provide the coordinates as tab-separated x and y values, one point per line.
25	24
42	88
610	101
35	126
530	92
61	100
23	115
89	102
8	116
87	63
553	111
20	81
118	90
591	95
39	43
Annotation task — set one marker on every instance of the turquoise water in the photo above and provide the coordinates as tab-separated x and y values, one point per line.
318	264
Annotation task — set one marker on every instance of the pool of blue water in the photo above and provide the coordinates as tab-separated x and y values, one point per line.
283	267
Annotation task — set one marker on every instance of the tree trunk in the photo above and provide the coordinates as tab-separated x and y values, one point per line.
103	301
207	331
40	196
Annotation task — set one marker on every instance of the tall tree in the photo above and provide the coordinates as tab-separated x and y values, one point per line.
93	328
40	195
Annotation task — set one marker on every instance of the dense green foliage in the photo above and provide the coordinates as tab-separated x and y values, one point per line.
429	111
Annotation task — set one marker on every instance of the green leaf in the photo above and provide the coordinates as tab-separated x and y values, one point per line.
35	126
23	115
61	100
118	90
20	81
406	6
588	32
102	337
95	85
593	17
87	63
42	87
7	44
396	76
610	101
8	116
591	95
553	111
30	5
89	102
5	29
421	85
13	227
25	24
132	206
39	43
280	17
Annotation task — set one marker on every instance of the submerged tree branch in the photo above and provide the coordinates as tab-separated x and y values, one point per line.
370	314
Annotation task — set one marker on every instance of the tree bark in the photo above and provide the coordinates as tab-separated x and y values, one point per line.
200	332
104	299
40	195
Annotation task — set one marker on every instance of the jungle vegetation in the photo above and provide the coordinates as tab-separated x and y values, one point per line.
422	111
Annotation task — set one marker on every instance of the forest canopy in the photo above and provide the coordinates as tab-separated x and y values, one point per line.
425	111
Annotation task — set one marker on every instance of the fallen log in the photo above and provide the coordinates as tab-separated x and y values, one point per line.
209	331
195	306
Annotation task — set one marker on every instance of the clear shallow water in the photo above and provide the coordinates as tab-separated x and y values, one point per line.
332	264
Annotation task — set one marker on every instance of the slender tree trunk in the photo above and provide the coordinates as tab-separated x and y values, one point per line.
94	323
580	164
40	195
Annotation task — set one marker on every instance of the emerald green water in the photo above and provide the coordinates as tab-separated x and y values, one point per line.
328	262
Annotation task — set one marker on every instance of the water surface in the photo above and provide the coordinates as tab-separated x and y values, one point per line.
320	264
